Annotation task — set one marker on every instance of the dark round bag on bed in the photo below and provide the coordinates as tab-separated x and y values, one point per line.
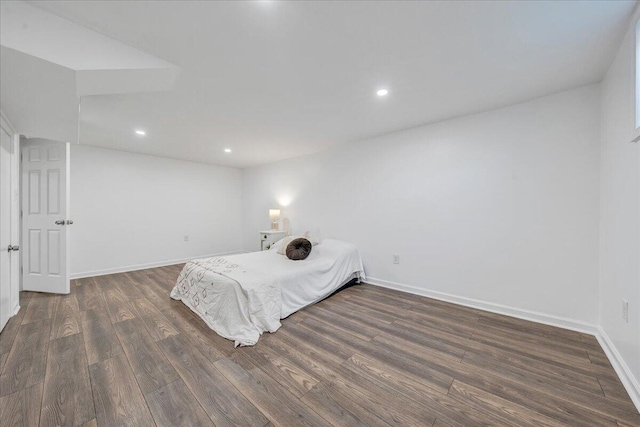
298	249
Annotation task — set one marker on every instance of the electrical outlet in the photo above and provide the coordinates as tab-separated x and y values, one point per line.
186	237
396	259
625	310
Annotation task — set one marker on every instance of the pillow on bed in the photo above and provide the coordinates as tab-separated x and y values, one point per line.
312	237
282	248
299	249
276	245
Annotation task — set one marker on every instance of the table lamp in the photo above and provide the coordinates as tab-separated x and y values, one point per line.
274	216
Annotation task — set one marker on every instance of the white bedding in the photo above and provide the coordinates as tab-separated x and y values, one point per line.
242	301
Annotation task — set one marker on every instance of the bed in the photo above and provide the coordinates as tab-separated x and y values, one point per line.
242	296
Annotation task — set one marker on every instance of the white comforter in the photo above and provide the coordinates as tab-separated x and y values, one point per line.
241	296
236	302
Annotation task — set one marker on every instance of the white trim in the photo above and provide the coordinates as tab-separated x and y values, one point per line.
145	266
534	316
629	382
636	81
15	238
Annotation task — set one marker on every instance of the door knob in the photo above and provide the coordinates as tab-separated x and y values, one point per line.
69	221
13	248
60	222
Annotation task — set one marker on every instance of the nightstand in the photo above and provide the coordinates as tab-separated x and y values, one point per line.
269	237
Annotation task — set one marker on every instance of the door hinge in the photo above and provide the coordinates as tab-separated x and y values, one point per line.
20	214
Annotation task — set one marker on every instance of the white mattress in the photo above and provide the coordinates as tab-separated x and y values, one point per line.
330	265
238	296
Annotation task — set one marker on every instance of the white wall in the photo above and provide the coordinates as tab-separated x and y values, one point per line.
500	207
132	210
620	210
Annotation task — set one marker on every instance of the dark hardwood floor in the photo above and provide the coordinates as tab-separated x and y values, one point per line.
119	351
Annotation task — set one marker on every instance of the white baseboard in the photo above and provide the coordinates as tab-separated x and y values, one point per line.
534	316
630	383
126	268
626	377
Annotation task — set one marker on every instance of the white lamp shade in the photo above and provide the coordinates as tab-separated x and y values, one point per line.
274	214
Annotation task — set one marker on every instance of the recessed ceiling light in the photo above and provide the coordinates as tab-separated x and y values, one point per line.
382	92
141	132
227	150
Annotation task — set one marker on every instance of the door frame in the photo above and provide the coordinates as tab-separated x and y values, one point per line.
16	238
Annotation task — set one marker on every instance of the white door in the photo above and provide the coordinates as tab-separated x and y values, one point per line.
6	248
45	221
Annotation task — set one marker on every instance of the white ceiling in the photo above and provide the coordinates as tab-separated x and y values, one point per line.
38	96
273	80
38	33
47	62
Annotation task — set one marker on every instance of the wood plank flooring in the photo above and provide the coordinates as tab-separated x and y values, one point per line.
118	351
